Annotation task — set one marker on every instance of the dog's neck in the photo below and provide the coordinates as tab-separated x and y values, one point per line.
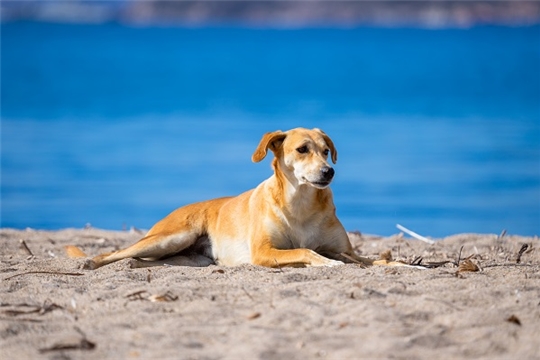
291	196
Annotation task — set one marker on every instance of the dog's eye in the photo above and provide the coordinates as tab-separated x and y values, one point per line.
325	152
302	150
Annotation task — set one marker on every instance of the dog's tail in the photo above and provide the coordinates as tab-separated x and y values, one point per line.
74	252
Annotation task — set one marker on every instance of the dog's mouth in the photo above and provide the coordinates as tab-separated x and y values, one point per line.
318	184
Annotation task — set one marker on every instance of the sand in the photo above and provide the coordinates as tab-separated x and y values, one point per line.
51	309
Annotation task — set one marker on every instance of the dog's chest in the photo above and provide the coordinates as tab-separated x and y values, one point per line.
301	235
292	232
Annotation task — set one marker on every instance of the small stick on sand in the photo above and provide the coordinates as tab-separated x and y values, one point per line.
82	344
278	266
459	256
44	272
506	264
25	247
417	261
415	235
137	295
524	248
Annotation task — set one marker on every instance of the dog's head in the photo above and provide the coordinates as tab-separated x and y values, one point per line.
302	153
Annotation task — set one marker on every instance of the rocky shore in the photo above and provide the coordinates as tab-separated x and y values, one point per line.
431	14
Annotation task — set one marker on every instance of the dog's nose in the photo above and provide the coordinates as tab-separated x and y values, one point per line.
327	173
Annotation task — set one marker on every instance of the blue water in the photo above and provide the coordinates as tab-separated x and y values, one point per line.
438	130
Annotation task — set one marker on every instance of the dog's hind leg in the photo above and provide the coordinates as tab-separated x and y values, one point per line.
151	247
194	260
169	236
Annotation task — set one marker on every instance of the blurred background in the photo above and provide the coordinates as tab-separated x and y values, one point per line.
114	113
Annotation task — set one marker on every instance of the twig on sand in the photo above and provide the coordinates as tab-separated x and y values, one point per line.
429	265
459	256
44	272
417	261
20	319
82	344
436	264
25	247
415	235
524	248
505	264
278	266
27	309
138	295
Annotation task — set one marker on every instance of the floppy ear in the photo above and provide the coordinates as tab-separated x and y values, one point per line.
272	141
330	144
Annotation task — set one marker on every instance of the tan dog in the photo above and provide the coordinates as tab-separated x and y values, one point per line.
288	220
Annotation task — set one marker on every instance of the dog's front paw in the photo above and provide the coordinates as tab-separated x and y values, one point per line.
335	263
316	259
327	262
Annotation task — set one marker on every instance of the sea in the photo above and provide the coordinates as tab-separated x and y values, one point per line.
114	126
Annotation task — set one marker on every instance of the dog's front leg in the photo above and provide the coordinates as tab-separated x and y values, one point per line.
349	257
352	257
266	255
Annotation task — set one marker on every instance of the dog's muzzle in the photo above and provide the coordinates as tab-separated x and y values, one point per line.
327	173
326	176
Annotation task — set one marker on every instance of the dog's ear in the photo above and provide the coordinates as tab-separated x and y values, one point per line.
272	141
330	144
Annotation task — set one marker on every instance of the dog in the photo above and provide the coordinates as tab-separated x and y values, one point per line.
287	220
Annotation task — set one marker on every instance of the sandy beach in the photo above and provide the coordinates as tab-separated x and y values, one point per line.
488	307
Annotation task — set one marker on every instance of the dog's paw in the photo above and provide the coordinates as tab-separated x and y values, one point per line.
316	259
328	263
335	263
